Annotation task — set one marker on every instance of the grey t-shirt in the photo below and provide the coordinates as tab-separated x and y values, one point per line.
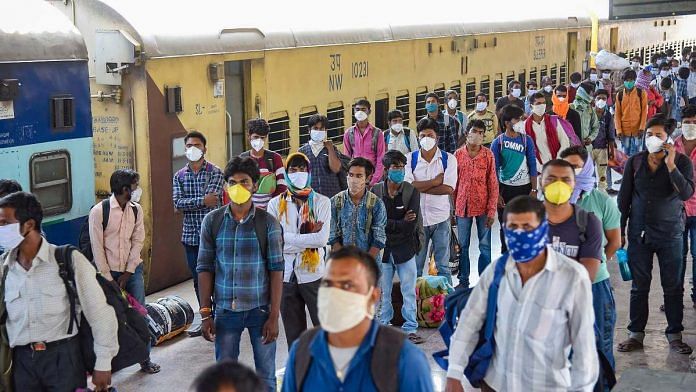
565	238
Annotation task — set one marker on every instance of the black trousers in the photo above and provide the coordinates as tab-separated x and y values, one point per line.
292	308
509	192
57	369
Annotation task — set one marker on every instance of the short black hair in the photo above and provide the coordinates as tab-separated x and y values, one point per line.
362	162
315	119
557	163
482	94
589	87
476	124
684	72
245	165
688	111
669	124
451	91
258	126
26	206
8	186
601	91
510	112
532	81
228	373
525	203
396	113
562	88
427	123
575	150
512	83
669	52
538	95
297	161
363	102
122	178
692	63
197	135
393	156
364	258
575	77
629	74
666	83
434	95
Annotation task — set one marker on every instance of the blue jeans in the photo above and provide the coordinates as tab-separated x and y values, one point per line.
192	260
440	235
484	236
632	144
229	326
135	286
605	318
407	276
690	245
640	261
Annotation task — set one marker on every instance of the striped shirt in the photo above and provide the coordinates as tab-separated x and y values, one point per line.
324	181
535	331
272	181
242	277
448	133
189	189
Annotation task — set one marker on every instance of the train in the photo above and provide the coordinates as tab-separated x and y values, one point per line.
45	114
159	68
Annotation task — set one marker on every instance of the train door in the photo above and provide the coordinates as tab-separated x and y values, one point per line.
613	39
381	111
572	52
234	107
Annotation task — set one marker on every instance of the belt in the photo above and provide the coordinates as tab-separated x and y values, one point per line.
43	346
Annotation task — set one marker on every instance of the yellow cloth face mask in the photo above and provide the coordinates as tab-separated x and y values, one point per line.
558	192
238	194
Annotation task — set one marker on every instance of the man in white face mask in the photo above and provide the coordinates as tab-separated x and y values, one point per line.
364	140
325	160
434	173
399	137
272	181
686	144
487	116
117	233
604	144
546	131
351	351
197	189
513	97
532	88
451	103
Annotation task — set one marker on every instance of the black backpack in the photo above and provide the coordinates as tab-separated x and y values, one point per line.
260	219
84	243
133	334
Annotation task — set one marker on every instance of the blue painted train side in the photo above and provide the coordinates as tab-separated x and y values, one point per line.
46	143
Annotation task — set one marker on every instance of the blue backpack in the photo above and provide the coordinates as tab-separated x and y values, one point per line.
414	160
454	304
407	136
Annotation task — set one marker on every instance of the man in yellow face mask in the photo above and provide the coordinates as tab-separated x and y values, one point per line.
573	231
241	258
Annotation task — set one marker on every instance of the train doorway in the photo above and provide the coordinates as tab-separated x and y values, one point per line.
572	52
234	107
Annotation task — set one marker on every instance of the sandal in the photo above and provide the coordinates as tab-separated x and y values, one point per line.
629	345
149	367
680	347
415	339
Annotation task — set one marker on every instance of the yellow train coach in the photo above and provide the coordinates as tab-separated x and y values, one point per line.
159	68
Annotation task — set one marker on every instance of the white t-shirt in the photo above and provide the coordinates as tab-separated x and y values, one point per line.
341	357
435	208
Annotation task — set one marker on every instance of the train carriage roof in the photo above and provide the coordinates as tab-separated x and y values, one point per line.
181	28
33	30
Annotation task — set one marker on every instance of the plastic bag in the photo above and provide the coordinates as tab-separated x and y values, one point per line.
608	60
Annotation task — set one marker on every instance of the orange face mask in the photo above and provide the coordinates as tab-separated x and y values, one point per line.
560	107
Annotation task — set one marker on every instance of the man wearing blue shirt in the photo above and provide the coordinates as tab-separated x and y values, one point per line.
351	351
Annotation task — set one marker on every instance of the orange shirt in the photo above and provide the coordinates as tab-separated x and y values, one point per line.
477	184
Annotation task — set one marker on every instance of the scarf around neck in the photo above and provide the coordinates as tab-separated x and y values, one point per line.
585	181
551	135
560	108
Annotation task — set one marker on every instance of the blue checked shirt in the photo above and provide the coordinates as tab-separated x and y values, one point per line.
189	190
242	279
353	222
448	132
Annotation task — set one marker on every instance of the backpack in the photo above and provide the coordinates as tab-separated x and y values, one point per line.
378	190
384	363
133	333
407	135
376	132
581	218
640	95
260	226
339	201
414	160
84	242
343	173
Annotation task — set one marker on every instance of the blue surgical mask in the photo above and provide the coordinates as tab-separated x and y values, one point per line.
396	175
431	107
526	245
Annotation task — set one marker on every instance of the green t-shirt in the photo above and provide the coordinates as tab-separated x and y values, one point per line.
604	208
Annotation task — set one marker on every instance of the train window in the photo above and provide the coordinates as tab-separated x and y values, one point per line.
470	94
497	87
51	181
509	78
440	91
543	72
381	110
279	136
335	128
486	87
554	74
306	113
457	86
62	113
522	78
420	102
402	104
533	75
564	72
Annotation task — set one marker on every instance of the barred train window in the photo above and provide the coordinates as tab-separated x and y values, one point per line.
303	130
402	104
457	86
420	102
279	136
522	78
335	126
544	72
533	76
62	113
440	91
470	94
486	87
497	87
51	181
554	75
564	72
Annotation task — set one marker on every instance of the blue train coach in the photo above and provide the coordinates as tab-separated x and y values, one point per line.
45	116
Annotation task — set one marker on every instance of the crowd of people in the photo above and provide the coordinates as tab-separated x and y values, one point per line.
325	230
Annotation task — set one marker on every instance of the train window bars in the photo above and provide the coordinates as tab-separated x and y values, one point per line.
497	87
457	86
470	94
402	104
335	127
279	135
305	114
62	113
51	181
420	102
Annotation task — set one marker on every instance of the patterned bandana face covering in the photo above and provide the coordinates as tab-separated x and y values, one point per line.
526	245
